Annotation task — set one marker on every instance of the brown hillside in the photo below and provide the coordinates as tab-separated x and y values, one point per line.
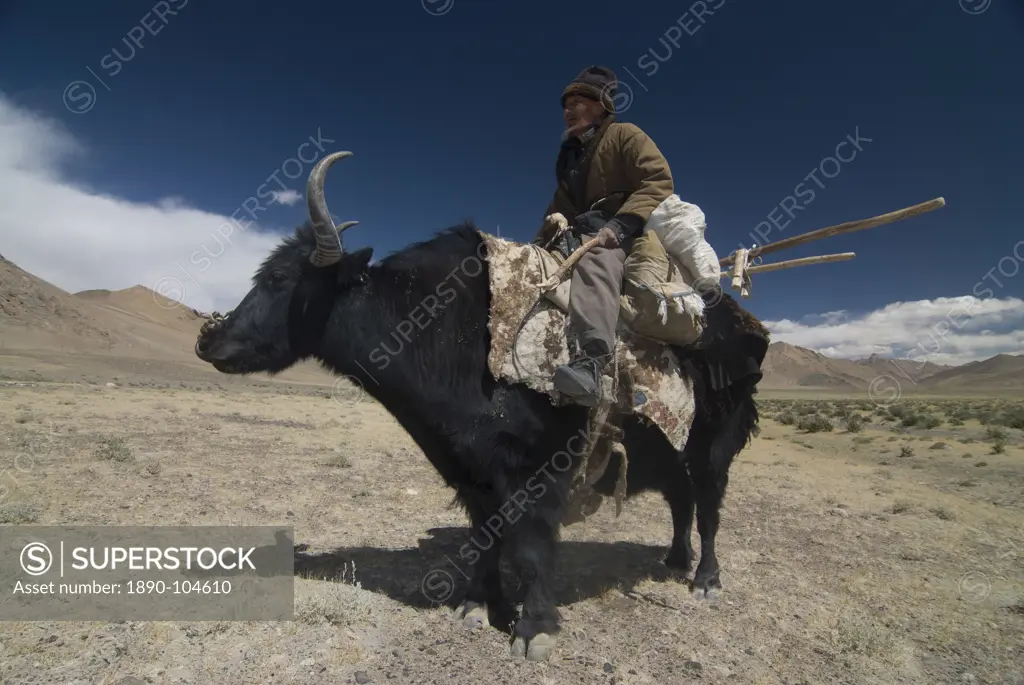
1003	371
144	304
899	368
39	315
41	322
789	366
32	309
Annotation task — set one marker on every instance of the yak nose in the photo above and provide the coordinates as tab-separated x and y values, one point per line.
202	349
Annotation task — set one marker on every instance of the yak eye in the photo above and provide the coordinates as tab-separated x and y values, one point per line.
278	277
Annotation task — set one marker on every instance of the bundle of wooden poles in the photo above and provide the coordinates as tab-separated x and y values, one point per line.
741	259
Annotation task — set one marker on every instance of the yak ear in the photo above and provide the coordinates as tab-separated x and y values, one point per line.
353	265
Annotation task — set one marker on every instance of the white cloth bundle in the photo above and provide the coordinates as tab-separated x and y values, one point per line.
680	226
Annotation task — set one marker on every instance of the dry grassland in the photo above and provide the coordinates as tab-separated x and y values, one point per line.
882	549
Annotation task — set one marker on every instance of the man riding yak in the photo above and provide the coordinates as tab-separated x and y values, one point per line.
611	176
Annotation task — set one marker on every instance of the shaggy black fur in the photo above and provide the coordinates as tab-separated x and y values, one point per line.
412	330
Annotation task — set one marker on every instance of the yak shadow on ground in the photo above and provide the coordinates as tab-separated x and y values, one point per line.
433	573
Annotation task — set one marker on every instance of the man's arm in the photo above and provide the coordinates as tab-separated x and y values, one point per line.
647	170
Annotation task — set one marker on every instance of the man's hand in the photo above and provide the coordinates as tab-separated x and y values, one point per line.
554	225
608	238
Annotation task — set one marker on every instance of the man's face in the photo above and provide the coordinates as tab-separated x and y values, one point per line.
579	113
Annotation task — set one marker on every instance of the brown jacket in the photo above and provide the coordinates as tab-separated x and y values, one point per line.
624	166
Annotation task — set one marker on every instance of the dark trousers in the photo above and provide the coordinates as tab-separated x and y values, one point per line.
594	296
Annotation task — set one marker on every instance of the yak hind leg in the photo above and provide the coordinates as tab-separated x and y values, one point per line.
655	465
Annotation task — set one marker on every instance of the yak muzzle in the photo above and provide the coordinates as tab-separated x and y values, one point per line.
202	349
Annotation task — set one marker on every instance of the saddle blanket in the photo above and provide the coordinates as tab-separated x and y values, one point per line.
528	342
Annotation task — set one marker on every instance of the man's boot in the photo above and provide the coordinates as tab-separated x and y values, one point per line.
580	379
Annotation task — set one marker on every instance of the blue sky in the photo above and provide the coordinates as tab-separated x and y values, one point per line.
451	108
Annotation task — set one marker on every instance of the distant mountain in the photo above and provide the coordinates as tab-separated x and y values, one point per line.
38	319
1001	372
145	304
902	367
30	305
791	367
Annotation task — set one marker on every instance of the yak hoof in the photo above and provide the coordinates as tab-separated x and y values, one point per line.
706	585
541	647
700	593
473	615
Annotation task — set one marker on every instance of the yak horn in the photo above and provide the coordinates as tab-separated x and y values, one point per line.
328	236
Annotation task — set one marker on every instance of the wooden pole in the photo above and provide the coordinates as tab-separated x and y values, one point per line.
568	264
803	261
739	268
839	229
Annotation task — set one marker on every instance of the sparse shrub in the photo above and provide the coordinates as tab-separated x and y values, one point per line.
339	461
944	513
854	423
840	412
909	420
929	421
1013	418
862	439
115	449
897	411
18	513
956	421
787	418
906	451
806	409
938	446
995	433
981	463
815	424
901	506
999	446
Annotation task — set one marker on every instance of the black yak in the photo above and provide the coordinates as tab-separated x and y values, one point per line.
489	440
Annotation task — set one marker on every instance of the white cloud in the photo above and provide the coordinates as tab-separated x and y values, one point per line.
79	239
944	330
286	197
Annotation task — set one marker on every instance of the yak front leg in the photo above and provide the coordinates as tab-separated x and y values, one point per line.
532	542
679	494
484	599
